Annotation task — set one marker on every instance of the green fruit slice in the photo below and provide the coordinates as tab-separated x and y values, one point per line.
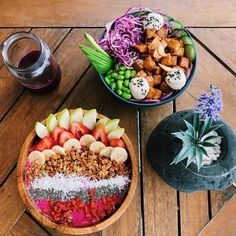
176	25
111	125
41	130
102	121
64	119
51	122
189	52
90	118
76	115
116	133
187	40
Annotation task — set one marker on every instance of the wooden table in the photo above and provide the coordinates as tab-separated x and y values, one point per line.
157	209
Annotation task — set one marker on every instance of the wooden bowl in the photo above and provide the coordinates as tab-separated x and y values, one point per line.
64	228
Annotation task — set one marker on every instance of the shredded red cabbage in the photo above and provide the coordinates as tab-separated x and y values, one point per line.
120	37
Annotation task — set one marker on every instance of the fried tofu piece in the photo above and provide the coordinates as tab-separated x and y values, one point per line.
149	73
141	73
157	94
164	43
162	33
138	65
157	79
179	52
150	80
150	33
142	48
164	87
157	70
151	93
154	44
166	60
173	44
149	64
174	60
184	62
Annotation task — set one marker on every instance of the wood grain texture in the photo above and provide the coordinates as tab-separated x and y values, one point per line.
64	228
160	202
111	107
209	71
31	107
197	13
221	42
93	13
62	13
10	88
224	222
11	208
26	226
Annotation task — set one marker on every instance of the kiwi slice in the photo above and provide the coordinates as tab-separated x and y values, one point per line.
189	52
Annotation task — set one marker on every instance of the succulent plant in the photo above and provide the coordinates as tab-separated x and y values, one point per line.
196	139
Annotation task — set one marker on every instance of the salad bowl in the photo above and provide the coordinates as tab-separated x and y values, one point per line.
145	47
37	143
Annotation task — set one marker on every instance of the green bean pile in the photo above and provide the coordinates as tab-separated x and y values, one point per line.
118	80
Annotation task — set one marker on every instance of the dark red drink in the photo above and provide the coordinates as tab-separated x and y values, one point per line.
29	59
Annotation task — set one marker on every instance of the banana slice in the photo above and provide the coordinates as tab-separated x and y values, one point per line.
106	151
37	157
48	153
72	144
119	154
96	146
58	149
87	139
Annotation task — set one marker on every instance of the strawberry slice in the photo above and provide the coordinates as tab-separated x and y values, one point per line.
46	143
99	133
116	142
56	133
78	129
64	136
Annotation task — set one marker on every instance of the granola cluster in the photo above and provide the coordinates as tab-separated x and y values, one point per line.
80	162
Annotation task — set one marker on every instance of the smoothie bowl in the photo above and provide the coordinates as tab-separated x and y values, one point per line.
144	57
77	171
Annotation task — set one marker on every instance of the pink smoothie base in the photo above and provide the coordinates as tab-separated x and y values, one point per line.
79	219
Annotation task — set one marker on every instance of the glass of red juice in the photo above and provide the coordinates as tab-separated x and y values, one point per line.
31	62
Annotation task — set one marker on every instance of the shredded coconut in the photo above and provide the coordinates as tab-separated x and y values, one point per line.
74	182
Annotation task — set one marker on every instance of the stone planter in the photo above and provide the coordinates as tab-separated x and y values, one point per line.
163	147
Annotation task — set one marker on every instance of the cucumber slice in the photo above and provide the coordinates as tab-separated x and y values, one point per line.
176	25
167	18
187	40
189	52
179	33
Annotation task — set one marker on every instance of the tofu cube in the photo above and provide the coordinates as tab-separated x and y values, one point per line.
184	62
166	60
138	65
142	48
149	64
162	33
157	79
164	87
150	33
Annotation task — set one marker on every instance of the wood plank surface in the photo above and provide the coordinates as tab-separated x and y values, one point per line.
221	42
11	207
10	88
223	224
160	202
31	107
84	13
107	105
26	226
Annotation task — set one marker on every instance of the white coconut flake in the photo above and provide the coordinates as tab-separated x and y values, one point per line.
74	182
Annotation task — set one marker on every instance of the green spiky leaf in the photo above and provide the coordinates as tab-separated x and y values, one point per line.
198	157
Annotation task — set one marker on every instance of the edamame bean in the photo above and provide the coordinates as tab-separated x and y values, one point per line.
113	86
107	80
121	72
117	67
112	80
121	77
128	91
127	74
109	72
119	92
124	89
114	75
126	83
126	95
119	84
122	68
133	73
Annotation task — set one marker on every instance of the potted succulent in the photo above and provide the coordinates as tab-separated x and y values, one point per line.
194	149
